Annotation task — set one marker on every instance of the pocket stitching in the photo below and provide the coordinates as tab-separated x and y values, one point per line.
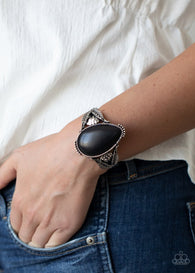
190	220
52	252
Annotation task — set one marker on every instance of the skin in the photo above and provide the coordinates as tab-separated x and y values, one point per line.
54	189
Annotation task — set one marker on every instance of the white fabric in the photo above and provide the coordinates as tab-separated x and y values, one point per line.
60	58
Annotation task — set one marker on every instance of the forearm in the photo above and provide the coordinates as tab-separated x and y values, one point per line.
158	108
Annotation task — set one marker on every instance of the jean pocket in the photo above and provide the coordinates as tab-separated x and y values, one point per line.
91	233
66	248
86	251
89	251
191	211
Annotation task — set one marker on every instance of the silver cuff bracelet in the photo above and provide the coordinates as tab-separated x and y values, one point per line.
98	139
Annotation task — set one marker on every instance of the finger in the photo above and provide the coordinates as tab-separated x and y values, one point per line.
7	172
27	229
59	237
15	220
41	236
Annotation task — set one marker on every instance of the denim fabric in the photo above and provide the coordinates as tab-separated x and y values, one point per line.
141	220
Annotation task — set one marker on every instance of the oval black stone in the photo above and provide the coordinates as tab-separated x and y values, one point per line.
98	139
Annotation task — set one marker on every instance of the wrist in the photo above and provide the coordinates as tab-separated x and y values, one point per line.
67	137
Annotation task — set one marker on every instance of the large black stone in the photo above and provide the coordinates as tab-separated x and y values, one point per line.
98	139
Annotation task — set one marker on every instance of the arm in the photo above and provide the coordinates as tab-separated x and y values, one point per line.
158	108
60	183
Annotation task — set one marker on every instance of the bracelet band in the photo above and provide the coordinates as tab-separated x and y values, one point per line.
98	139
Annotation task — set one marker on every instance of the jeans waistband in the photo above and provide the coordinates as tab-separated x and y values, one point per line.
130	170
136	169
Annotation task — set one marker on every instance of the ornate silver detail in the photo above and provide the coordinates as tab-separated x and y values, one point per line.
123	129
94	112
92	121
106	157
110	163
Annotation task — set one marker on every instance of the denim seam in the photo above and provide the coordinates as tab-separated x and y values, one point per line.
107	204
102	223
190	220
109	262
24	246
53	252
161	165
57	252
104	253
150	167
60	254
147	175
169	169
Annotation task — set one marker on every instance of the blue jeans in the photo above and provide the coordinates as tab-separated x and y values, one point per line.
141	220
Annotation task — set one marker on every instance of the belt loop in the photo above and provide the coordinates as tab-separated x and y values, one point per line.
131	169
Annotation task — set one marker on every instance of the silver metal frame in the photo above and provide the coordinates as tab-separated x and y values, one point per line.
102	162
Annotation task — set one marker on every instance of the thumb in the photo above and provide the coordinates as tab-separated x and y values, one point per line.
7	172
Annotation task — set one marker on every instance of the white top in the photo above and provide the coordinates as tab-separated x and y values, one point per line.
58	59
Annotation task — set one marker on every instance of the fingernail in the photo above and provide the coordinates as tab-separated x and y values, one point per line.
48	246
33	245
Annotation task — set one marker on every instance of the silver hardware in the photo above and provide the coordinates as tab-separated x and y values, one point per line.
90	240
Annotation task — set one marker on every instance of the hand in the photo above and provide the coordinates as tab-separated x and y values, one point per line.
54	188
